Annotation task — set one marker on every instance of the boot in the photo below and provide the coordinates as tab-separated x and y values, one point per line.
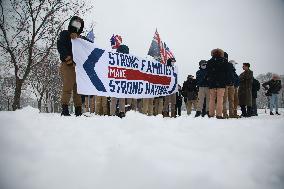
244	112
166	114
277	113
173	114
65	110
220	117
271	113
121	115
78	111
249	111
198	113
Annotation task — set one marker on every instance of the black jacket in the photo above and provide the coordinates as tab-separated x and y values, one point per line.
201	77
217	72
230	80
255	87
179	98
190	89
123	49
64	44
274	86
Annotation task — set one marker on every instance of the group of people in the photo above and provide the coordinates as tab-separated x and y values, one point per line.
216	84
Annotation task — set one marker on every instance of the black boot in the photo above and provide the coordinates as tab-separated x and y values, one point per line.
271	113
244	112
78	111
249	111
121	114
277	113
198	113
65	110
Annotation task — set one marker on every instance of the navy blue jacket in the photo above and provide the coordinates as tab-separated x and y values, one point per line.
217	72
201	80
236	80
64	44
230	80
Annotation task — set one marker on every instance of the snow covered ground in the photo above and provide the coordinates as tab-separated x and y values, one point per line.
47	151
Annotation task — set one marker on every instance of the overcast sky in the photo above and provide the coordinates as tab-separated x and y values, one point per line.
249	30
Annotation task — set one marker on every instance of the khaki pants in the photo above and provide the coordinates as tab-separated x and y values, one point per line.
219	94
236	101
113	103
189	104
101	105
203	93
158	106
132	102
147	107
229	95
69	85
170	99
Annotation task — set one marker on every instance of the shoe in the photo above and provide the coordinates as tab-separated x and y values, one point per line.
65	110
198	113
121	115
225	116
220	117
166	114
271	113
78	111
277	113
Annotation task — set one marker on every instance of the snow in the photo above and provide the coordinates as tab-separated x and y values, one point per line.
47	151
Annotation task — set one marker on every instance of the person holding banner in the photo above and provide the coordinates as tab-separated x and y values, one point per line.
170	99
67	67
116	43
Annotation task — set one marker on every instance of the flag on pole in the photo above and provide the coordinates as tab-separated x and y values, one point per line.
91	36
159	50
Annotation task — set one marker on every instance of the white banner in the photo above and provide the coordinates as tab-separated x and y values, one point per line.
106	73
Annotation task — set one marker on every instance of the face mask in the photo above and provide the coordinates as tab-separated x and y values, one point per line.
76	24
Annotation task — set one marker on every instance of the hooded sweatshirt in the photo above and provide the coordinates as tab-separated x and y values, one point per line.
64	44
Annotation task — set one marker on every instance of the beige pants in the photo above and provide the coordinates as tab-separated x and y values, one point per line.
170	99
219	94
101	105
132	102
229	95
189	104
158	106
113	103
147	107
203	92
236	101
69	85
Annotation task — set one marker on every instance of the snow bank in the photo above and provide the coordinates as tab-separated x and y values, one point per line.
47	151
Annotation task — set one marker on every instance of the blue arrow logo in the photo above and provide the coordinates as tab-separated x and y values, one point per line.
175	84
89	66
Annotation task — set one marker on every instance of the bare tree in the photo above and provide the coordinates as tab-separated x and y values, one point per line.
43	77
28	33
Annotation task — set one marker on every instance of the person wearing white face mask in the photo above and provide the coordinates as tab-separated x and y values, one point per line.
67	67
203	92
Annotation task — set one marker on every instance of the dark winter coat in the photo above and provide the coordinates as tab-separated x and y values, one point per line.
179	98
189	89
255	87
230	80
123	49
201	75
217	72
236	80
274	87
64	44
245	89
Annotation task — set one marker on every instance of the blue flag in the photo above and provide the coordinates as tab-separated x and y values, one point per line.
91	36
